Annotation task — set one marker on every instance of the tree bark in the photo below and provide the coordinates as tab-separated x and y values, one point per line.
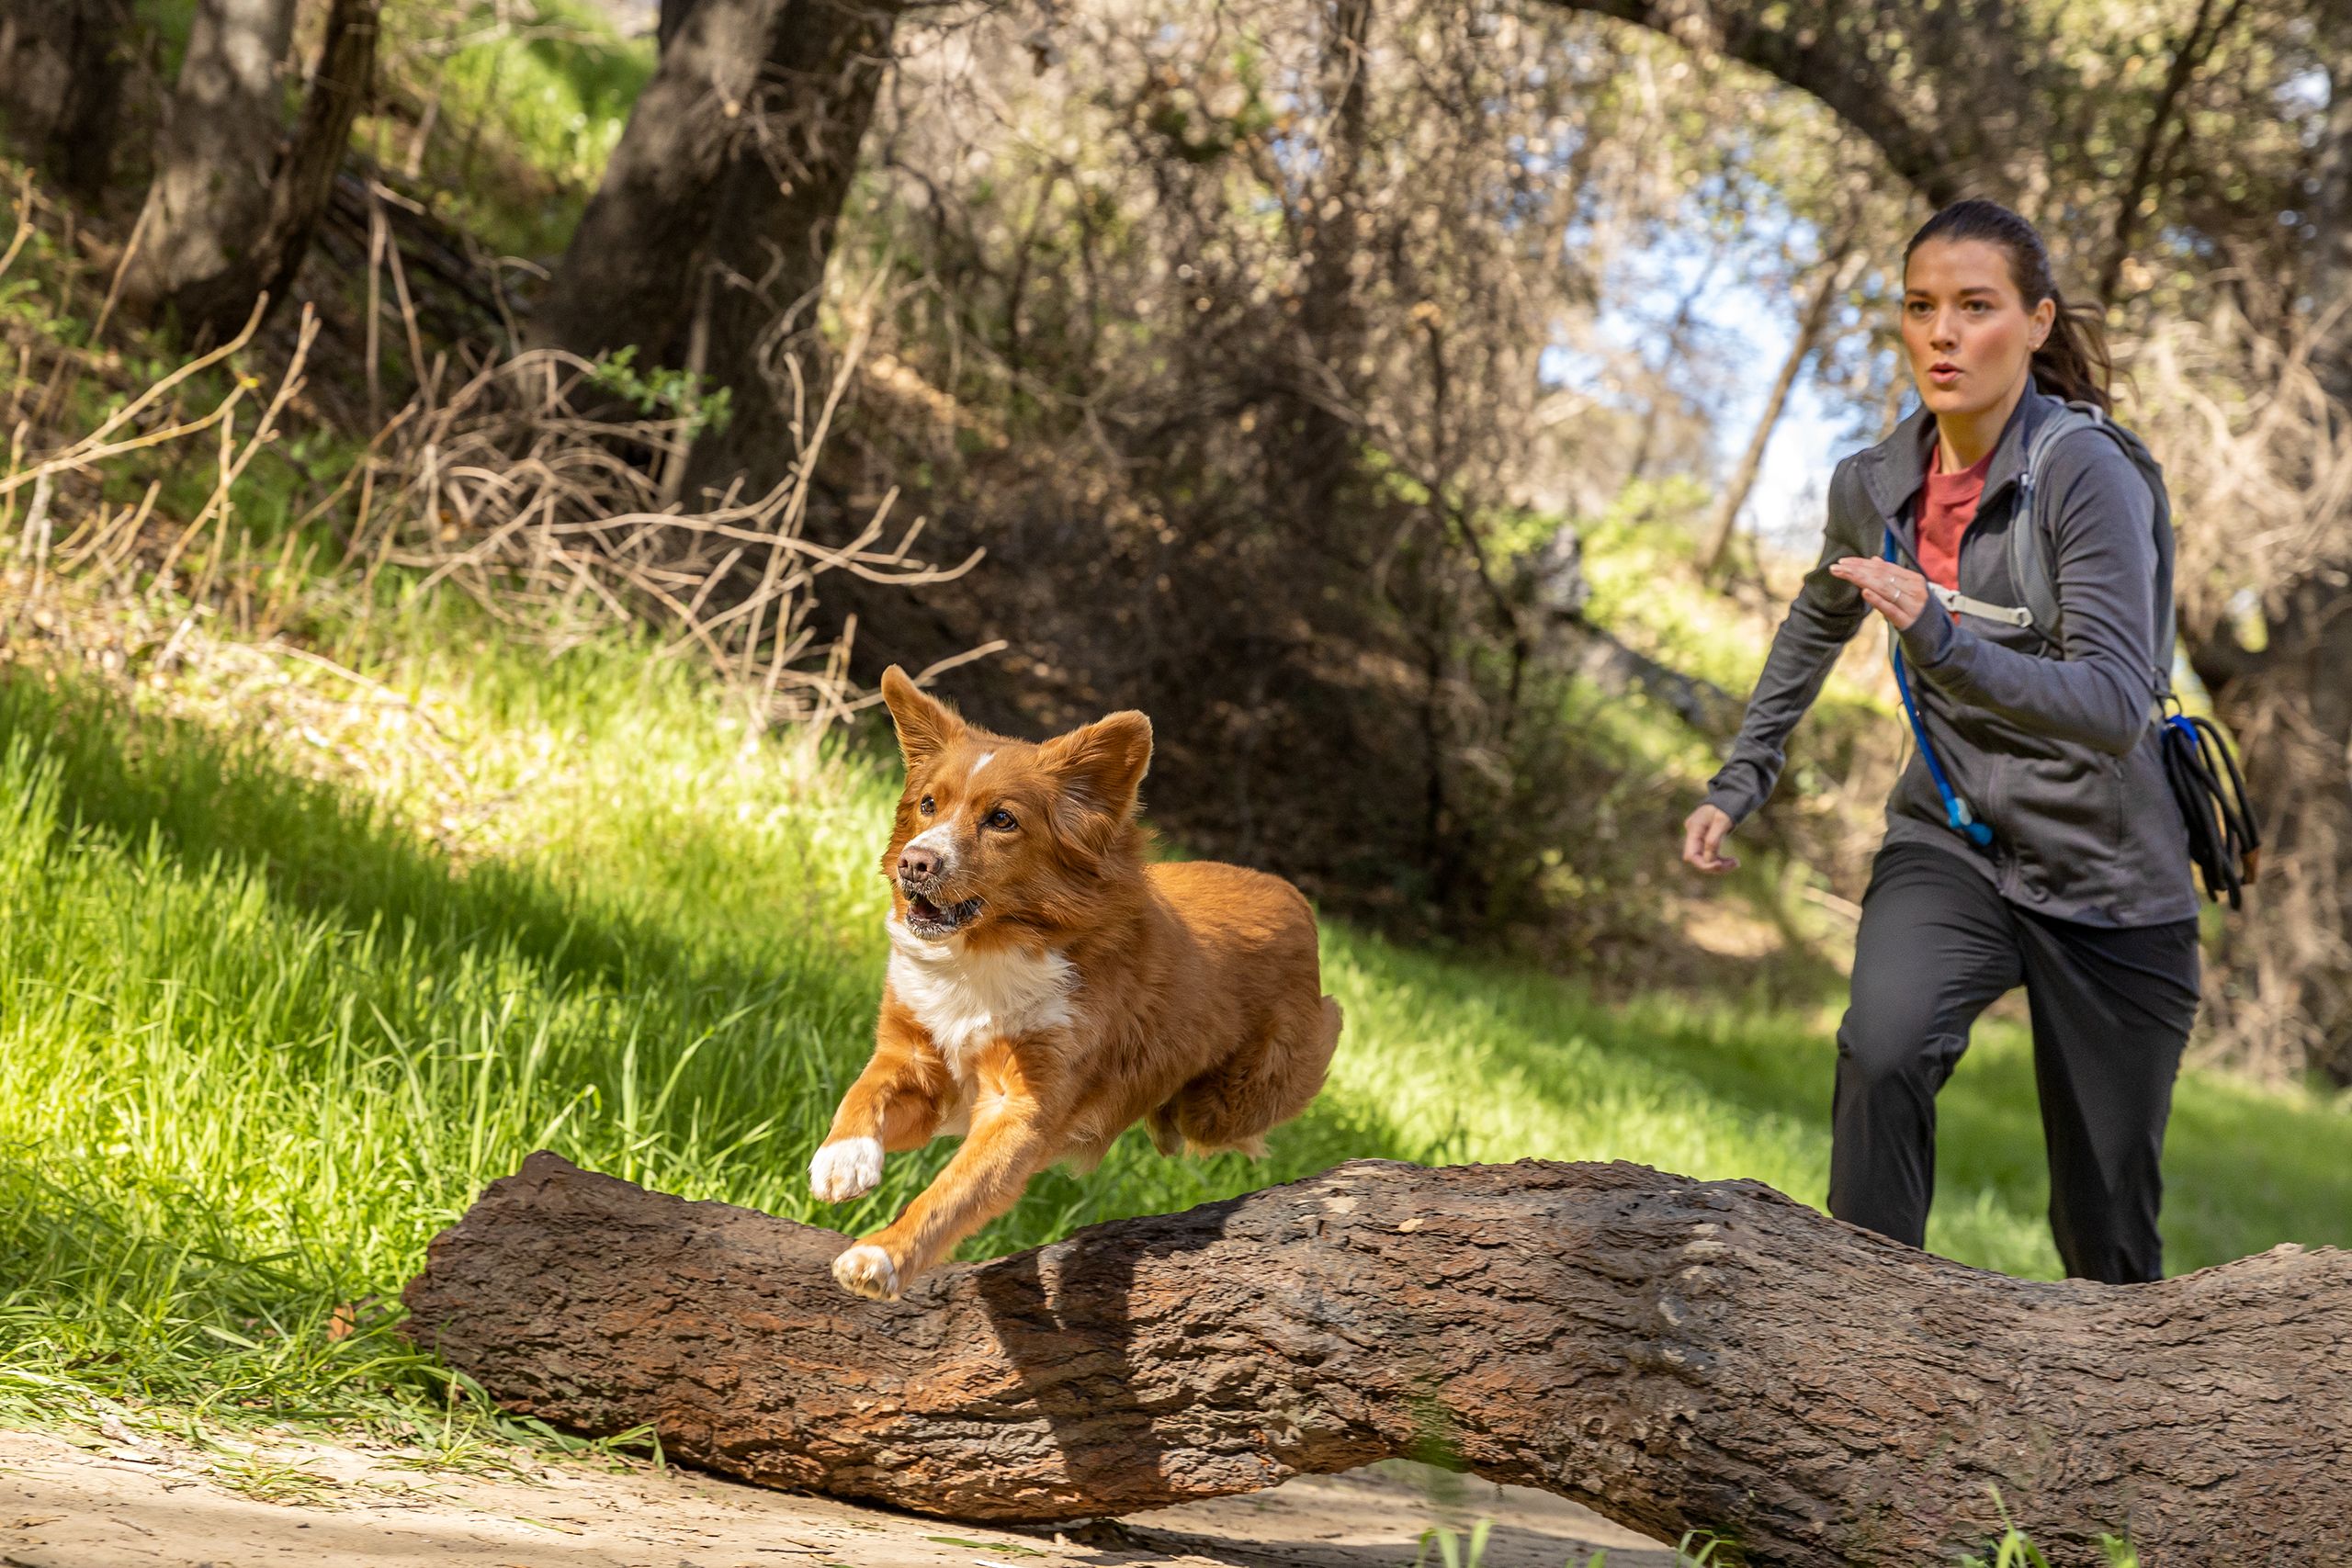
61	85
632	269
305	178
1677	1354
668	21
2331	250
780	203
236	200
706	242
215	157
1836	273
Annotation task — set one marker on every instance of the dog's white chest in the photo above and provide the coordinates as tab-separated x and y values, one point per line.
965	999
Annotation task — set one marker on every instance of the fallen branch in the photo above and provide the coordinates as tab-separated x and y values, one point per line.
1677	1354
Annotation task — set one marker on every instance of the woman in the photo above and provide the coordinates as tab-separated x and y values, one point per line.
2083	893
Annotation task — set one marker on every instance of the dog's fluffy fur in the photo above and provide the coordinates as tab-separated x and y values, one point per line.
1048	988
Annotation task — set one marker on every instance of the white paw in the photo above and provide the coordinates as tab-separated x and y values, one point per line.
845	1170
866	1270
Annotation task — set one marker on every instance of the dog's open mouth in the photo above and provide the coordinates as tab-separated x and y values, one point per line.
930	920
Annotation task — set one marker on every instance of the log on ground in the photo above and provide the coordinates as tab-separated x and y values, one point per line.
1675	1354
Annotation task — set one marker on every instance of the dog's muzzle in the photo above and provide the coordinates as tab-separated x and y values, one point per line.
933	921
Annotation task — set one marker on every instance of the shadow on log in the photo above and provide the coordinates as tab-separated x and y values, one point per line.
1675	1354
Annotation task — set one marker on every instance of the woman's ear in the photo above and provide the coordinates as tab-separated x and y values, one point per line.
926	725
1103	763
2045	316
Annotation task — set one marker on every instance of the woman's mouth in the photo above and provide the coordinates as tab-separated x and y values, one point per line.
1943	375
932	922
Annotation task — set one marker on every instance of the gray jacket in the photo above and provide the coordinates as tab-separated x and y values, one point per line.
2054	748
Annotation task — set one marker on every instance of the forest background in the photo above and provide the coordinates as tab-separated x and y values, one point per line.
467	464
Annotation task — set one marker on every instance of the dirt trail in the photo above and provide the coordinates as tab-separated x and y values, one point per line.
130	1504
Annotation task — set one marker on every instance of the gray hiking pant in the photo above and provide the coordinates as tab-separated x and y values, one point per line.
2111	1010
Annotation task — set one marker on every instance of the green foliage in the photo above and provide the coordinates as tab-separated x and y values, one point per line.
2016	1549
530	105
665	392
1452	1550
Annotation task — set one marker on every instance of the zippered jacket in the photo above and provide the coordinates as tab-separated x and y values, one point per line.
2055	747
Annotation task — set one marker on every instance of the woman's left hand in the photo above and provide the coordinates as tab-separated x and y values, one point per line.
1897	593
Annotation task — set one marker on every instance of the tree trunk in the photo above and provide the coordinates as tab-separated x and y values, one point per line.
1954	96
706	242
305	178
755	328
631	271
2330	252
236	200
1837	274
1677	1354
1312	437
668	21
215	158
61	85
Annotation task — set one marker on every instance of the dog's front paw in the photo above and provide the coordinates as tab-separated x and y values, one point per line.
845	1170
866	1270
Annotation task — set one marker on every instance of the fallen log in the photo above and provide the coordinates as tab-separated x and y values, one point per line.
1674	1354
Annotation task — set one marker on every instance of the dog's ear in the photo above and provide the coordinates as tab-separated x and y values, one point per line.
1103	761
926	725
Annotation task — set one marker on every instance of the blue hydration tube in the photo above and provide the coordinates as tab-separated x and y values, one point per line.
1956	809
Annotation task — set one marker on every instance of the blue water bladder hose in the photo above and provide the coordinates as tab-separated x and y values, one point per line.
1956	808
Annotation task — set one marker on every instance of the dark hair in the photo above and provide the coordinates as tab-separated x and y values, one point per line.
2073	361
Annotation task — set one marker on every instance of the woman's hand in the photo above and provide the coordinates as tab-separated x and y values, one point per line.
1702	839
1897	593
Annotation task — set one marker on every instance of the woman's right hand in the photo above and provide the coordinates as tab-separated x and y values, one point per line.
1702	839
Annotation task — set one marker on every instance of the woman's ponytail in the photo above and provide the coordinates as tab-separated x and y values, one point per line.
2073	361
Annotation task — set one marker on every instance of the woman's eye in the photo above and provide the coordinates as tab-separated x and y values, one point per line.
924	805
1001	821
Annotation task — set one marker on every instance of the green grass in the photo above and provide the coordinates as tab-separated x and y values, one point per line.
530	107
259	1039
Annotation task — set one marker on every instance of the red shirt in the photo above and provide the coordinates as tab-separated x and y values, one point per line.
1945	512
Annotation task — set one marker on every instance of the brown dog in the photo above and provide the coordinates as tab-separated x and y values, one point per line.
1048	988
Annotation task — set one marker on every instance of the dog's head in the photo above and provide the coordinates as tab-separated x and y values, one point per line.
1001	835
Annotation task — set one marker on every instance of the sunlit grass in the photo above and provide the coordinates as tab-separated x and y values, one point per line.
260	1037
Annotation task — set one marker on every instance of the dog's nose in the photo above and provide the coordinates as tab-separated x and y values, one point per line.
918	864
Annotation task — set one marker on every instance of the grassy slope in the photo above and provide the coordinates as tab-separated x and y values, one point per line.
259	1037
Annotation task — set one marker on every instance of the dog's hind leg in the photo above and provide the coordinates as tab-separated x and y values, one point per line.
1257	1088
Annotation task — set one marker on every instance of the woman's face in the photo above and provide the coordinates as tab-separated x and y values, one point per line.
1968	333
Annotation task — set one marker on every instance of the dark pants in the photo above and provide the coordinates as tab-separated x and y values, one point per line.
2111	1010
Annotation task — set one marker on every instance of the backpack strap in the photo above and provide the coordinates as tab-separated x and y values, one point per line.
2031	571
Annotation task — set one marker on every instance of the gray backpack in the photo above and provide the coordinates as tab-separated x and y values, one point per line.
2223	841
2030	567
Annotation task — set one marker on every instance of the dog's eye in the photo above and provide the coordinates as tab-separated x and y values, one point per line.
924	805
1001	821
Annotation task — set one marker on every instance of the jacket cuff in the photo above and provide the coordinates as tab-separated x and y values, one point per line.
1929	640
1732	802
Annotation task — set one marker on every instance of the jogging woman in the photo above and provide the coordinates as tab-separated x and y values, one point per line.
2083	892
